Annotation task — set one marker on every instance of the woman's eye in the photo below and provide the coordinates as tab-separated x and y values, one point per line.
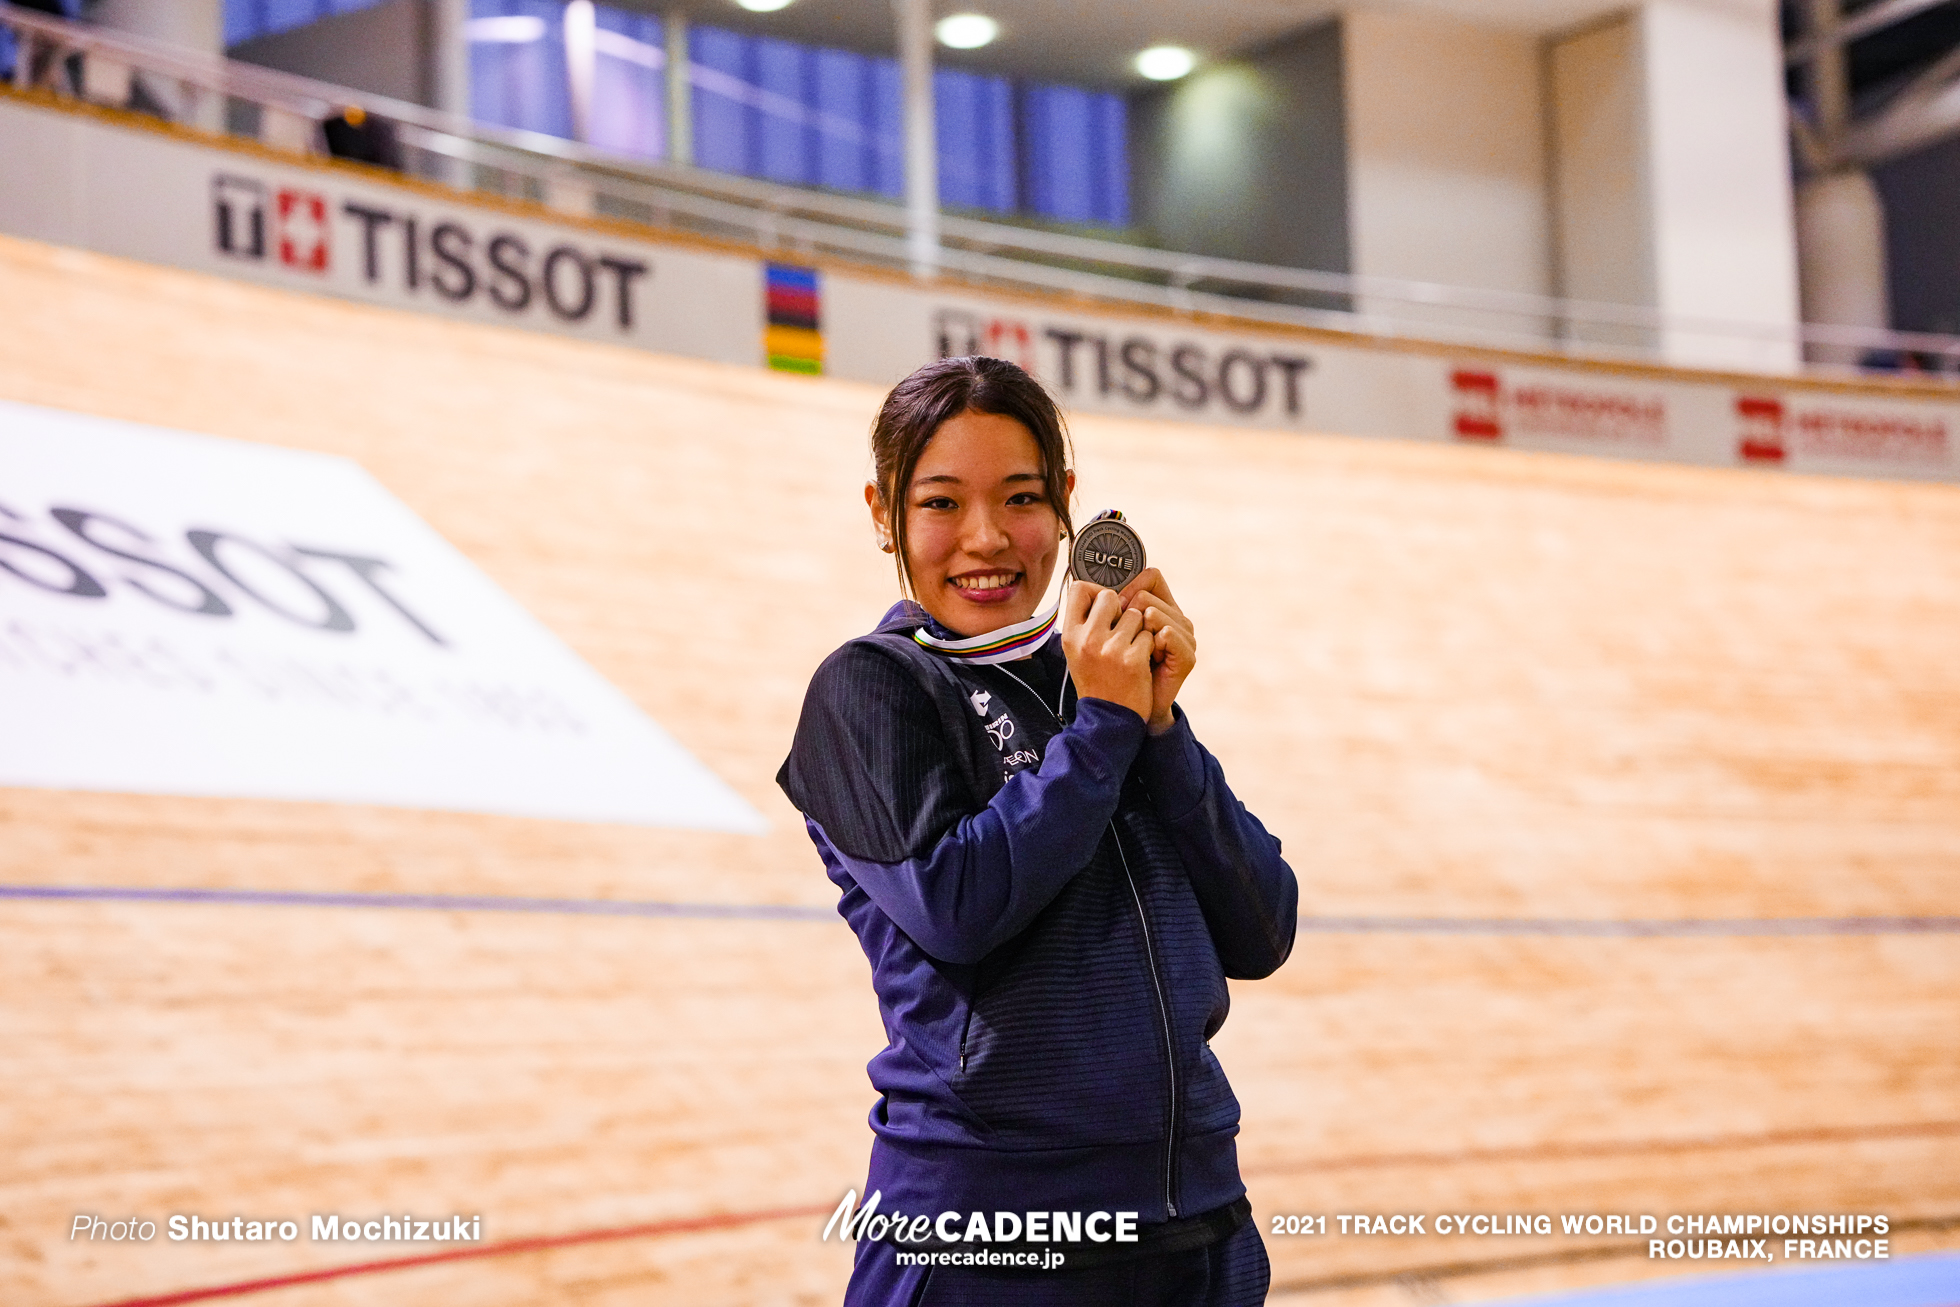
1025	497
937	502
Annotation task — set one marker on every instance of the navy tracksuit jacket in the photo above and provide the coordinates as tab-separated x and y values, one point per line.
1051	901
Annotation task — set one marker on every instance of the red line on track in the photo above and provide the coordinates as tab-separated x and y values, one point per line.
505	1248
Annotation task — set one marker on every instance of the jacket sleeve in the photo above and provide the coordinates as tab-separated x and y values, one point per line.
1249	895
984	880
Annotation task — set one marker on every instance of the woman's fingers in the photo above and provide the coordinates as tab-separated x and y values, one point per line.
1148	579
1076	601
1106	611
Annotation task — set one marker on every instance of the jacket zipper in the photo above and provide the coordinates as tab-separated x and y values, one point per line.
1164	1014
1156	980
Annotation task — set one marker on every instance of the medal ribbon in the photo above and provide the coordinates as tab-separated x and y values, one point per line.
1004	645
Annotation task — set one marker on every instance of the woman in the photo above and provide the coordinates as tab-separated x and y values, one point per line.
1049	876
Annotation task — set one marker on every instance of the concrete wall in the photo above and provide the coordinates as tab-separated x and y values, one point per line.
1671	176
1600	185
1248	159
1719	163
386	50
1446	152
1601	192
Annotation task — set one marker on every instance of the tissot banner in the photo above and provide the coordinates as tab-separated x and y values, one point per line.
181	614
144	195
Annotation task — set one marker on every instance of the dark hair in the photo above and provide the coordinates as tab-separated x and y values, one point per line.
925	401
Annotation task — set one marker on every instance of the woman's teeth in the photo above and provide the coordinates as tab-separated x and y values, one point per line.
985	580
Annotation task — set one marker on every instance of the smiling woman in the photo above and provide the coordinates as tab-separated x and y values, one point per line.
1050	877
979	461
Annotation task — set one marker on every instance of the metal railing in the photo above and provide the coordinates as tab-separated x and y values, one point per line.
285	112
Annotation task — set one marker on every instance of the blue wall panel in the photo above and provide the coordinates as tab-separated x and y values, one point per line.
888	128
1075	154
246	19
974	118
522	84
843	92
785	75
629	84
1112	135
723	119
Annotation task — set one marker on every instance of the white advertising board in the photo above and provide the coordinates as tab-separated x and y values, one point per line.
877	331
148	196
182	614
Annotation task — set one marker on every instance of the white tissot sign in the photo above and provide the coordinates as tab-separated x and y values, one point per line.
184	614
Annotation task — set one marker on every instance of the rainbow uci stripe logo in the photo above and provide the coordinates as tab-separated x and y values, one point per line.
793	338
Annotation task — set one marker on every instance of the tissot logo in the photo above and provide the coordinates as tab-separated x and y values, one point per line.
95	555
1136	370
249	219
304	238
405	254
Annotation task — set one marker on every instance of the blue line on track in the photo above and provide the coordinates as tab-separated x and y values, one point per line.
1652	928
424	902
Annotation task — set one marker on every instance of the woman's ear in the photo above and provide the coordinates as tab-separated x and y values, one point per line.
880	517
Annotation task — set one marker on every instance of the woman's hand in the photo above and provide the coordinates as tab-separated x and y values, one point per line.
1174	643
1107	647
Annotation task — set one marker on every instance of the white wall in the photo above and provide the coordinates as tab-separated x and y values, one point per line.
1602	199
1719	163
1672	176
1446	152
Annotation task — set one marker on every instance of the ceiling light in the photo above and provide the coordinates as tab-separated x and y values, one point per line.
763	6
1166	63
516	29
965	31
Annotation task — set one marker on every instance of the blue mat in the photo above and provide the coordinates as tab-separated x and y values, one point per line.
1930	1281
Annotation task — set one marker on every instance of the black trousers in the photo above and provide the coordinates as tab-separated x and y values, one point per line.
1230	1273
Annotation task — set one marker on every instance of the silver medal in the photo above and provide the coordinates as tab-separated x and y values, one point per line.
1107	552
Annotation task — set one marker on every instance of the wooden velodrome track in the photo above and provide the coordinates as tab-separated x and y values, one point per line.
1463	685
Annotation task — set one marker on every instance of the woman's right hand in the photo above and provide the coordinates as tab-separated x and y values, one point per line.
1107	648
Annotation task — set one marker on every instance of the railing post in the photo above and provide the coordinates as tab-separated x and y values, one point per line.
921	140
680	90
450	59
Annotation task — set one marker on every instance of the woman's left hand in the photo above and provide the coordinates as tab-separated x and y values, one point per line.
1175	649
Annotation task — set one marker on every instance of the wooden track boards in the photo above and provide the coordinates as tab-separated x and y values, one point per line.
1459	683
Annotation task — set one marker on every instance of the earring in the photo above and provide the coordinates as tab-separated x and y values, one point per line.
885	543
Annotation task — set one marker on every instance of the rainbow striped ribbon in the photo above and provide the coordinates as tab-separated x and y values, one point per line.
1004	645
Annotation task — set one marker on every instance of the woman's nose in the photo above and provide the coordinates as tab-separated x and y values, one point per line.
983	534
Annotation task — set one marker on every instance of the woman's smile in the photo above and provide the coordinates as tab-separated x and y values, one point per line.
989	587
